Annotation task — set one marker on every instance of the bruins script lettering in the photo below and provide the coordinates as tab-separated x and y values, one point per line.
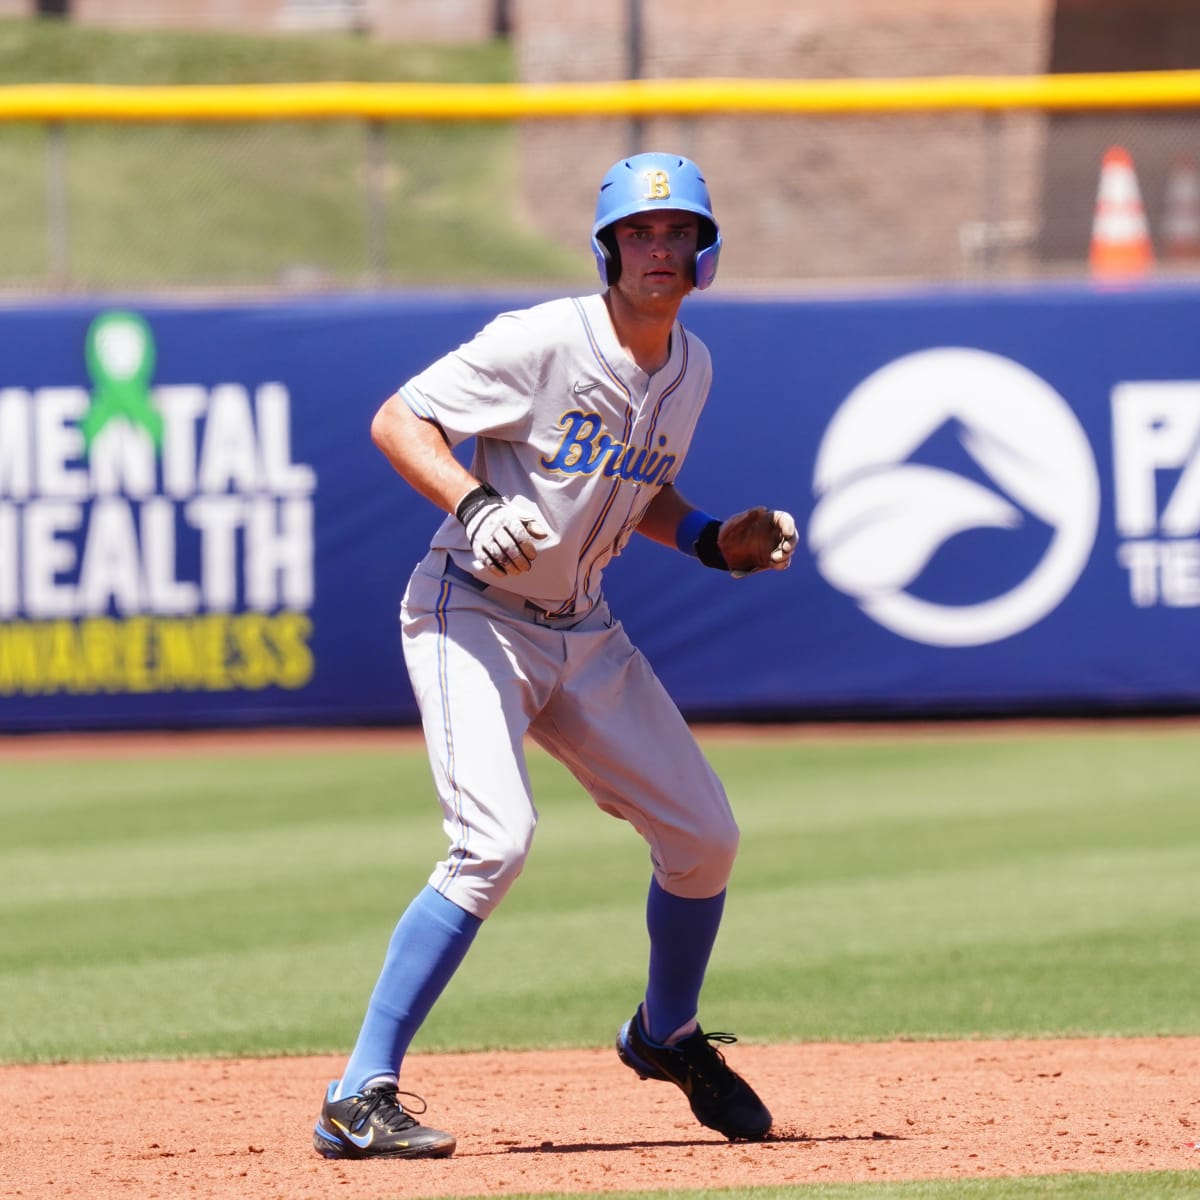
586	450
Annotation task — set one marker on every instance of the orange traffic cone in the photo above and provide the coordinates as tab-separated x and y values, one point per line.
1181	214
1120	239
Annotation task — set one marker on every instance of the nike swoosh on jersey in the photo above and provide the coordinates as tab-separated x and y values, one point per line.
583	386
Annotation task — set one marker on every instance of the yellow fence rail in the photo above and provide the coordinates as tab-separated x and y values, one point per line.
687	97
996	178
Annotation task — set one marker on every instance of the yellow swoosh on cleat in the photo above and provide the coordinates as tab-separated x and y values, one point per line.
361	1142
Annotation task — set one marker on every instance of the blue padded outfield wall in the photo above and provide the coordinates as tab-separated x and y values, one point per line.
998	495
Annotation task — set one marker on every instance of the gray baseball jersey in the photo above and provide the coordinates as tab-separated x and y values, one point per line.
566	423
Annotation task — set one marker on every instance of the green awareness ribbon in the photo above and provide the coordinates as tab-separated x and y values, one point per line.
120	360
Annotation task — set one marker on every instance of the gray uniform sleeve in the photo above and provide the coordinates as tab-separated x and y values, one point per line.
487	386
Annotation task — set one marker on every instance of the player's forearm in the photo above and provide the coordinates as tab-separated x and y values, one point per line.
418	452
661	519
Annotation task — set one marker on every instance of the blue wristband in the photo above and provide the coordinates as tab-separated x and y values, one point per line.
687	533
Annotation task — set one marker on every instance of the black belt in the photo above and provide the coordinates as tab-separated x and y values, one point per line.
454	571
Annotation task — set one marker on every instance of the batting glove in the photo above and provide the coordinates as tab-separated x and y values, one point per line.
760	539
501	535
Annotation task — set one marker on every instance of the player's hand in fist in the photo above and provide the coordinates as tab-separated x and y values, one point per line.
502	534
760	539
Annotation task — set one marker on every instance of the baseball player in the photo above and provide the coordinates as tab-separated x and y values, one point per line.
581	411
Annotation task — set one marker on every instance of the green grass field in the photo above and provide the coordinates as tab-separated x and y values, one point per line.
886	888
893	886
223	205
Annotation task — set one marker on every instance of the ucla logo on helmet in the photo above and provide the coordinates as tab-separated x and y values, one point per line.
658	185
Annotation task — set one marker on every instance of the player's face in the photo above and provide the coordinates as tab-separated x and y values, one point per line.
657	250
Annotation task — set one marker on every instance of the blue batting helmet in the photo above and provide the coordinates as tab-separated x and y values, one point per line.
646	182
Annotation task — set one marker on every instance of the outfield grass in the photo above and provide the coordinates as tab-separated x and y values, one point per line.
929	889
257	204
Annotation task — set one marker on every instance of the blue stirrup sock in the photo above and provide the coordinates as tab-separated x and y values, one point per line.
682	933
428	944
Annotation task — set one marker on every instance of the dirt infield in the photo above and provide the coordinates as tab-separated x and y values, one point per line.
578	1121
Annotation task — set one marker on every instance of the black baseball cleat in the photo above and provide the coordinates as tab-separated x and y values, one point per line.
373	1124
719	1096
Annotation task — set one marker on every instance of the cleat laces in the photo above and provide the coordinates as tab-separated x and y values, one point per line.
706	1064
384	1105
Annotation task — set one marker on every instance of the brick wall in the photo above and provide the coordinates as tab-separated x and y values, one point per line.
408	20
823	198
580	39
224	15
1115	35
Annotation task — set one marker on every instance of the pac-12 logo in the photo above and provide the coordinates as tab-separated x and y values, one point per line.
928	458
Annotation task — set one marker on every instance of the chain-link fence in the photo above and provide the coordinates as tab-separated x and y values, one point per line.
962	185
347	203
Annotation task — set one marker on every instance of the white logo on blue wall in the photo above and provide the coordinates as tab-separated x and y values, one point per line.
957	498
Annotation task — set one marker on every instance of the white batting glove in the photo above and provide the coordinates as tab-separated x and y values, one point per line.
501	535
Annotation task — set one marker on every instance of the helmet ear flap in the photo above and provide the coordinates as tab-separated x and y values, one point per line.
708	252
608	257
